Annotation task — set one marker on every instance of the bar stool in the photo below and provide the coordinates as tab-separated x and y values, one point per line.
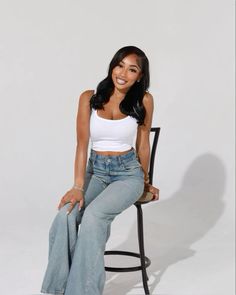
145	198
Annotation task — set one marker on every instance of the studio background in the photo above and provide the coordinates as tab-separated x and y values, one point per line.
51	51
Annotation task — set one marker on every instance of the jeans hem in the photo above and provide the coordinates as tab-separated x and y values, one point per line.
52	292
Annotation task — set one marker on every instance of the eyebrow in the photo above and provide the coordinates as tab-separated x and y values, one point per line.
132	65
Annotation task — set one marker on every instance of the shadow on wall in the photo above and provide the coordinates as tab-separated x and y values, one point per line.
172	226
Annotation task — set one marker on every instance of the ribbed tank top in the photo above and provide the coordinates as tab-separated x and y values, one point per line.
112	135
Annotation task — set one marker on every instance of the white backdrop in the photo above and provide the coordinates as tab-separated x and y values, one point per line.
51	51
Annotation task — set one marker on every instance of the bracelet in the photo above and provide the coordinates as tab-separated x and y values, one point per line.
78	188
146	180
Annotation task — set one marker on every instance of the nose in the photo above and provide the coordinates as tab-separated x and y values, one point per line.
123	72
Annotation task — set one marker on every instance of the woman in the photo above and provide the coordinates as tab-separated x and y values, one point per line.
114	177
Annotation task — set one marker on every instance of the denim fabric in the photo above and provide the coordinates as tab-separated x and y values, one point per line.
77	241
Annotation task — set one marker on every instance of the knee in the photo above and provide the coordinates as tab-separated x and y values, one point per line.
93	216
62	221
61	215
90	217
62	218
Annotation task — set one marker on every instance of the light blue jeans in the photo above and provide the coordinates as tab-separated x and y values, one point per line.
77	241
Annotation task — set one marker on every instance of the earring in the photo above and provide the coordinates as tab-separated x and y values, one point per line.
138	81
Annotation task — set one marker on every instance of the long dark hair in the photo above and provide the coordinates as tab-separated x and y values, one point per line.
132	104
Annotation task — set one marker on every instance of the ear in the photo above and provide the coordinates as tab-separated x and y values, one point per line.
140	77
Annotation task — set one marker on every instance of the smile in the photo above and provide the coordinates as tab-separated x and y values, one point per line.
120	81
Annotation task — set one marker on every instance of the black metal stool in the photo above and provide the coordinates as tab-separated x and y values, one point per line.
145	261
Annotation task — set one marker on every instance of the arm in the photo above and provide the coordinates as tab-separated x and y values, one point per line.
75	194
142	140
82	127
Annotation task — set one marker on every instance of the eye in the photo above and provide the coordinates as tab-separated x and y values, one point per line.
120	65
133	70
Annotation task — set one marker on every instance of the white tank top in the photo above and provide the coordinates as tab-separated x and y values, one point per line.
112	135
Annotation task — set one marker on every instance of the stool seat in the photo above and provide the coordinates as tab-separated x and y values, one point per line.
145	198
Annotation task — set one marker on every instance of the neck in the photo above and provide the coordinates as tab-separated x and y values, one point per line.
118	95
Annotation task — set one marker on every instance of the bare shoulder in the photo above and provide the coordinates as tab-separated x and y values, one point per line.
148	100
83	117
85	97
149	106
84	105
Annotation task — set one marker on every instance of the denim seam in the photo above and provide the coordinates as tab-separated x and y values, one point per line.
56	292
100	180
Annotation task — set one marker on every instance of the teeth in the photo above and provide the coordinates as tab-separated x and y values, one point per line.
120	81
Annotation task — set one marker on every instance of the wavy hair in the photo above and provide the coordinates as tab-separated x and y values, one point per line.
132	104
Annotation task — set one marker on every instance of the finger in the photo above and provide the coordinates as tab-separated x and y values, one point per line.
62	203
155	197
64	200
152	190
81	204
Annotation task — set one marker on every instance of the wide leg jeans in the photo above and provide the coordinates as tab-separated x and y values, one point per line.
77	241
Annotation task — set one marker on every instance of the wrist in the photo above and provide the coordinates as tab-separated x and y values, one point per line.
146	179
78	187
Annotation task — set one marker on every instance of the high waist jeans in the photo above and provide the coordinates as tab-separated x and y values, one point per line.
77	241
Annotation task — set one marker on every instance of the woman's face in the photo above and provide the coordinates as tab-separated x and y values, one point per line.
126	73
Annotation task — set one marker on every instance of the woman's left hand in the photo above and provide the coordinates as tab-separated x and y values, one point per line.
153	190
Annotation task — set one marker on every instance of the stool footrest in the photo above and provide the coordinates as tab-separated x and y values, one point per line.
126	269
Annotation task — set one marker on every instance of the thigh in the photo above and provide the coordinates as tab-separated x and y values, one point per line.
117	196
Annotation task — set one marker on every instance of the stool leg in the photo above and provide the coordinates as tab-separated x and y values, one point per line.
141	248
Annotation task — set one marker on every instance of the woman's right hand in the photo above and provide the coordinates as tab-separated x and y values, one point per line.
73	196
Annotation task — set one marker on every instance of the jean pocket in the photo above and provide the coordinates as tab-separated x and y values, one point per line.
132	164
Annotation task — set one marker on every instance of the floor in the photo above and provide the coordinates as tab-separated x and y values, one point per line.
190	254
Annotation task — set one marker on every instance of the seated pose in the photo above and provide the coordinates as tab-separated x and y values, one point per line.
114	177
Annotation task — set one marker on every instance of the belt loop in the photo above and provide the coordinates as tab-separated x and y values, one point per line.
93	156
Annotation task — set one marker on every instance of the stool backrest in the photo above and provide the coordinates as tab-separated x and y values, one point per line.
156	131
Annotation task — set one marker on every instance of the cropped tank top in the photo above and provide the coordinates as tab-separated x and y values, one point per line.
112	135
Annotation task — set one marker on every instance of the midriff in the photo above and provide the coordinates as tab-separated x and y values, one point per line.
111	153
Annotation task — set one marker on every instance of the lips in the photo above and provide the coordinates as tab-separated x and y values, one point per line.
120	81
